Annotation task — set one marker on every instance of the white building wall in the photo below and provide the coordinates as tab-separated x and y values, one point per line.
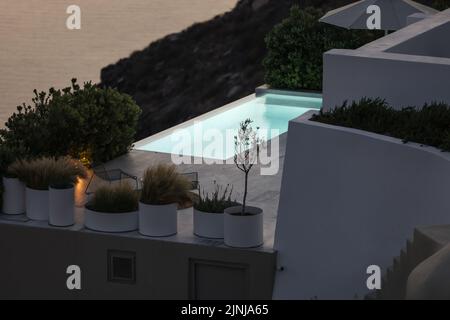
350	199
409	67
400	79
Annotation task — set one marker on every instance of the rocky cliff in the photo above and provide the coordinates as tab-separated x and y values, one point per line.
203	67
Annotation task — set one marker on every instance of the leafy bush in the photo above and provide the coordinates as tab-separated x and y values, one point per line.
429	125
114	199
217	201
368	114
296	47
7	157
43	172
441	4
99	122
162	184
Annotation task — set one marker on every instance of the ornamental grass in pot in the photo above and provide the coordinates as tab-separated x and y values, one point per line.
65	174
36	174
13	191
113	209
50	180
243	224
208	212
163	190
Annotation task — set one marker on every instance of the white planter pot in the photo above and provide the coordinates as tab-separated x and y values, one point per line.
13	196
243	231
111	222
61	207
37	204
158	220
208	225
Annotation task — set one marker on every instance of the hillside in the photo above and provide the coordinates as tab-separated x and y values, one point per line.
203	67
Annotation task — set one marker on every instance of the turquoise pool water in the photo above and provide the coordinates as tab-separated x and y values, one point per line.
212	136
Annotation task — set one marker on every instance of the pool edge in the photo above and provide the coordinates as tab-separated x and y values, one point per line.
187	123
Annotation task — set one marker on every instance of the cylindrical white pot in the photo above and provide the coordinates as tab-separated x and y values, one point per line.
37	204
243	231
61	207
208	225
13	196
158	220
111	222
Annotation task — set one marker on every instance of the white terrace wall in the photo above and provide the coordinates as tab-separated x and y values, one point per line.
403	80
430	43
350	199
409	67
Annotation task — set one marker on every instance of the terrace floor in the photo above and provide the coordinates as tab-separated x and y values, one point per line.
263	192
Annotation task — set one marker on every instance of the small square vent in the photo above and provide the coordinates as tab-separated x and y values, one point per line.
122	266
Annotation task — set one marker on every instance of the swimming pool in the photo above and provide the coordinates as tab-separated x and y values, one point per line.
212	135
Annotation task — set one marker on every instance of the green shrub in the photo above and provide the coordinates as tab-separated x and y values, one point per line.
296	47
100	122
217	201
7	157
441	4
429	125
162	184
114	199
367	114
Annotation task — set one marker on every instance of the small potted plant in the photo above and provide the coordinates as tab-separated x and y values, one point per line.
64	176
163	190
208	212
113	209
36	174
13	188
243	225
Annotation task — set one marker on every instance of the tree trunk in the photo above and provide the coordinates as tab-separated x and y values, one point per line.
245	193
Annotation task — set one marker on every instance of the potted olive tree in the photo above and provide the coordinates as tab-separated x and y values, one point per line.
163	190
36	174
65	174
208	212
243	224
113	209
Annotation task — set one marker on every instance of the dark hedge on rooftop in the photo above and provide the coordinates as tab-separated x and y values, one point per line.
429	125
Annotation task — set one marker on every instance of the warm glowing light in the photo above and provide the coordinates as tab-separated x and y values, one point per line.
85	158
